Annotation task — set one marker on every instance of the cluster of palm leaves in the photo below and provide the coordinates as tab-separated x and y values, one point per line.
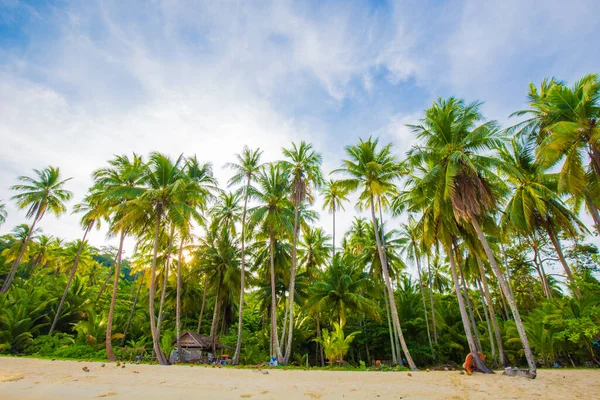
481	214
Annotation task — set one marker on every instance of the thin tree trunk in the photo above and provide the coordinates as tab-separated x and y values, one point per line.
509	297
109	323
418	259
178	302
430	285
539	269
593	210
213	325
153	328
276	350
393	310
203	303
390	330
131	314
71	276
285	323
490	307
486	314
470	309
15	265
288	345
333	211
163	292
319	346
238	346
561	257
479	364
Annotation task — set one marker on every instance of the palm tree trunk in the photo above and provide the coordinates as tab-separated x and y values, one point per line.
288	345
178	302
203	303
561	257
213	325
276	350
390	330
593	212
386	276
430	286
105	283
540	270
509	297
135	300
163	292
153	328
418	259
71	276
333	211
319	345
486	314
15	265
490	307
470	309
479	364
110	354
238	346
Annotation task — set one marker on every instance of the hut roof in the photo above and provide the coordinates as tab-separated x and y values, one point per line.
195	340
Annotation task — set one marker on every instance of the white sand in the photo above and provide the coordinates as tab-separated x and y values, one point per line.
24	378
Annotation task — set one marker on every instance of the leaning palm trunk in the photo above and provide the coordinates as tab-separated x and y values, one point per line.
109	350
386	276
275	349
105	283
71	276
470	309
490	307
487	322
552	234
178	301
288	347
153	328
238	346
390	330
15	265
132	312
203	303
509	297
479	364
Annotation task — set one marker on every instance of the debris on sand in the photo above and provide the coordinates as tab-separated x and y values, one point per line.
86	369
102	365
265	372
409	374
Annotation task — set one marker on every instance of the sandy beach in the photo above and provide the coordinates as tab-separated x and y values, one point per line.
23	378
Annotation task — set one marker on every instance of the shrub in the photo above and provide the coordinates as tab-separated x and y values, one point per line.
46	345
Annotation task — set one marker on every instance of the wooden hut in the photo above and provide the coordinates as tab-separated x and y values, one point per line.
195	348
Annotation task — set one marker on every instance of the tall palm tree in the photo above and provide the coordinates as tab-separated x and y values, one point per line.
94	211
314	250
535	203
456	151
275	215
303	165
373	171
246	169
43	193
334	196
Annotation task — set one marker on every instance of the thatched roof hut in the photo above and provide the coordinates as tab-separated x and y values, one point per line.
193	340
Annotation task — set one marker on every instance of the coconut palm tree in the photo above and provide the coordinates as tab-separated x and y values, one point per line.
303	165
275	215
373	171
43	193
455	148
334	196
246	169
535	203
314	250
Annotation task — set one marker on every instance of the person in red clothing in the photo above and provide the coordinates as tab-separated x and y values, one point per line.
469	364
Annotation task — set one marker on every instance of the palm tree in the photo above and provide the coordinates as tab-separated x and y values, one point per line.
334	197
40	194
564	122
303	165
3	212
112	191
246	169
275	215
373	171
314	250
456	152
93	212
535	203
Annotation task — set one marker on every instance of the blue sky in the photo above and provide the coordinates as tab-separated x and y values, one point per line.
83	80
